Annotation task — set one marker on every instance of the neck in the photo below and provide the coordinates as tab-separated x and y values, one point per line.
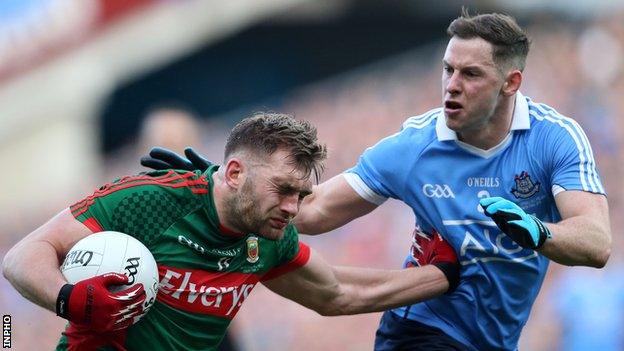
220	196
494	130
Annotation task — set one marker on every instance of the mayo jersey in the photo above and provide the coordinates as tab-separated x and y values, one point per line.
442	180
206	272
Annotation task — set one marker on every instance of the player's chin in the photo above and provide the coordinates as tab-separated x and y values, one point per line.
272	232
455	122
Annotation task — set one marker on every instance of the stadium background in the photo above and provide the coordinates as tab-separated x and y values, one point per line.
81	80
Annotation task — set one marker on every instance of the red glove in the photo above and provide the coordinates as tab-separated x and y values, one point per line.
90	304
433	249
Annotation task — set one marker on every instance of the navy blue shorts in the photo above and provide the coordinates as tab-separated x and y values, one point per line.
396	333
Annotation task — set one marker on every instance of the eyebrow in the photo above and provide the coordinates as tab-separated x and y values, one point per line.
285	185
466	67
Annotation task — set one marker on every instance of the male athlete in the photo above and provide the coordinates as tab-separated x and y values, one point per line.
214	235
508	182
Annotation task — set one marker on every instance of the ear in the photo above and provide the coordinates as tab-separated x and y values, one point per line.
512	82
234	172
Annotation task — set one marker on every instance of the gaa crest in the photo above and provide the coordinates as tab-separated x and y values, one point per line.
525	187
253	249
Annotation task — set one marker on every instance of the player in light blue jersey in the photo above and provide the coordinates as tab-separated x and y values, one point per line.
508	182
488	147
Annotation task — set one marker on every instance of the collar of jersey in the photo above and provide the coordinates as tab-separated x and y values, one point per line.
520	121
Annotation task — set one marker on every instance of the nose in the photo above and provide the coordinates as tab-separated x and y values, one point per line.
290	205
453	83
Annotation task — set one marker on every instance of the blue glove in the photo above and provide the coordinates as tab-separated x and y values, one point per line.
526	230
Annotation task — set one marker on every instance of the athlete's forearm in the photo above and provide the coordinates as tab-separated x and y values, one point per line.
331	205
32	265
580	241
371	290
33	269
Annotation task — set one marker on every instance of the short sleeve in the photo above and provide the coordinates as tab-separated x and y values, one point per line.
379	169
292	254
573	163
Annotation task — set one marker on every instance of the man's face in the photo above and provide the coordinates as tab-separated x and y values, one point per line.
270	196
471	84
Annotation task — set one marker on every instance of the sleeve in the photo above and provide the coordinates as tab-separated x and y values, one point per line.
292	254
380	171
573	163
142	206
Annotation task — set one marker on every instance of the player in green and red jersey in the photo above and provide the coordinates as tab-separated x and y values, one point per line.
214	236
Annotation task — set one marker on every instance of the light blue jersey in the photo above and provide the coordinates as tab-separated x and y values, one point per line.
442	180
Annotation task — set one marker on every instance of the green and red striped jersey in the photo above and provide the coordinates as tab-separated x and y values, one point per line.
206	272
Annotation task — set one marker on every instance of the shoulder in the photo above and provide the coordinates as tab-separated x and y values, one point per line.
170	181
547	122
415	130
150	187
422	124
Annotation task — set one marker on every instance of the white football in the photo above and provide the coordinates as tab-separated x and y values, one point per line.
109	251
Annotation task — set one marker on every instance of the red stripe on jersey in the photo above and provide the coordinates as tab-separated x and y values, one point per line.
131	181
299	261
206	292
93	225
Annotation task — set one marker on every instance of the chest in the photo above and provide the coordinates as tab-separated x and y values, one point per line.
450	182
201	271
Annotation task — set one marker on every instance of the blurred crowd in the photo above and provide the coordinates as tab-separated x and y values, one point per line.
575	67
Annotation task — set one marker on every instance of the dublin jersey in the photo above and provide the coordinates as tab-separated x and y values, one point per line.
205	271
442	180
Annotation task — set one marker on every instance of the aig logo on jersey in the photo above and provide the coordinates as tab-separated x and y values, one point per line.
438	191
253	249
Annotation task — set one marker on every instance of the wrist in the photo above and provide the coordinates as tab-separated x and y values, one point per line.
62	301
544	232
451	272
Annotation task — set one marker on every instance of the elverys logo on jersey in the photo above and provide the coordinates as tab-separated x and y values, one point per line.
199	291
525	187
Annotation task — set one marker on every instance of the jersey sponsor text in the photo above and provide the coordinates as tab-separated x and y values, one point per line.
205	292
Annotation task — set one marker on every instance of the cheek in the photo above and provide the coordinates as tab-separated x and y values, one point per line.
482	95
267	203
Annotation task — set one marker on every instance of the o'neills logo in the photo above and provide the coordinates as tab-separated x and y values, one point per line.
199	291
253	249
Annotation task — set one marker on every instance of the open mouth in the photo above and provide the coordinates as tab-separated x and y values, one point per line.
452	105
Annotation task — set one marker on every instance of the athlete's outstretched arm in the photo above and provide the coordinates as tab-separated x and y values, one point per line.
332	204
32	265
583	236
332	290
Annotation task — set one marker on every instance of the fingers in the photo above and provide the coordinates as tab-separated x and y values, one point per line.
487	201
130	294
499	205
171	158
114	279
199	161
153	163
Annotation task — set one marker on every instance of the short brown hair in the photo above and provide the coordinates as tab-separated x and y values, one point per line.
267	132
510	42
